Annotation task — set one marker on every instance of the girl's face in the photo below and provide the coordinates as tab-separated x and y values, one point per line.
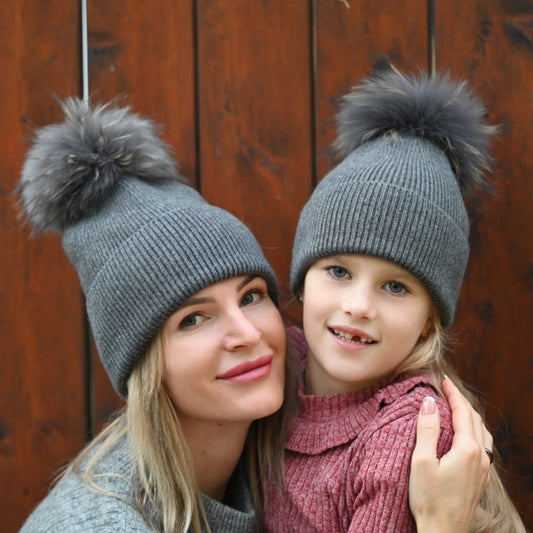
362	318
224	354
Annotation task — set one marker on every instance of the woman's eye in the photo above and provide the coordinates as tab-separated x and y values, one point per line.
251	297
395	287
338	272
191	320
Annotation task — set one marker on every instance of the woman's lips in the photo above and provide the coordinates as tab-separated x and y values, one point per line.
249	370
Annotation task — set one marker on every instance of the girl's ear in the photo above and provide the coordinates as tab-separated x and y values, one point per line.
427	328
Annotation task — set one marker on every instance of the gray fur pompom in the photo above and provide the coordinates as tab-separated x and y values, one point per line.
72	167
434	108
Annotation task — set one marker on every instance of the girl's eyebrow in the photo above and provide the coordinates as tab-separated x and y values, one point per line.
206	300
398	272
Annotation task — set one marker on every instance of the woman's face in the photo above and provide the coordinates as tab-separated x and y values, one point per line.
224	353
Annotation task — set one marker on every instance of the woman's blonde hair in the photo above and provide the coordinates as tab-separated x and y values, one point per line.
496	512
167	493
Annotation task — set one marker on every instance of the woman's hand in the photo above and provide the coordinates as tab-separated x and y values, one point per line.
443	494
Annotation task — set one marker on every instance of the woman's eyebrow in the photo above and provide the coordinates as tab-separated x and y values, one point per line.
195	301
245	281
206	300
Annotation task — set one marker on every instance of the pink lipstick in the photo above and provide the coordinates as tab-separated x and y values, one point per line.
249	370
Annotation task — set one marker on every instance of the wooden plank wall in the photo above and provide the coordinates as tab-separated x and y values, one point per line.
43	408
245	92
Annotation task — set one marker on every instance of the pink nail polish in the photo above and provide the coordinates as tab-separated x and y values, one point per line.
428	406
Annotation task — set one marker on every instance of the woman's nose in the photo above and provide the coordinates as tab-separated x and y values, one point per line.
241	331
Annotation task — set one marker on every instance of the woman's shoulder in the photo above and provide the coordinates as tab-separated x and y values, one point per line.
74	505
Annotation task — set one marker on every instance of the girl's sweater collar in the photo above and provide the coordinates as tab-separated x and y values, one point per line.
324	422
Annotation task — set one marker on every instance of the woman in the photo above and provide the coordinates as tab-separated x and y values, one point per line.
182	304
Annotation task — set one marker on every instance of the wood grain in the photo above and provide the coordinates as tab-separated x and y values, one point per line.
350	37
490	44
255	117
42	367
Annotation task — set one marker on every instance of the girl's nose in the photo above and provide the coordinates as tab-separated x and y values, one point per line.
241	331
359	302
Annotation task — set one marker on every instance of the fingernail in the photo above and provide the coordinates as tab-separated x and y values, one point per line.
428	406
445	376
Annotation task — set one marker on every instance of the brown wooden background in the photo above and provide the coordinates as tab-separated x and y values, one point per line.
245	91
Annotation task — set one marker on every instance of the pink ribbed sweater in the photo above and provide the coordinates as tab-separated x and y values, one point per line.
348	459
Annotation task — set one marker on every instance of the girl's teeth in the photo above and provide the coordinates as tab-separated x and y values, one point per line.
347	337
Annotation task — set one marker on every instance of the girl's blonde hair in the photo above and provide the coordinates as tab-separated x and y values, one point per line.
496	512
167	493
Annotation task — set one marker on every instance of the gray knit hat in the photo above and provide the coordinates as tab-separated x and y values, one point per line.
413	146
141	240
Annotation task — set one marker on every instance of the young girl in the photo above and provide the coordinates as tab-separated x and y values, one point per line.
182	304
378	261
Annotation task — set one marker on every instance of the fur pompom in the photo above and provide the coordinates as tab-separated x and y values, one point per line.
72	167
435	108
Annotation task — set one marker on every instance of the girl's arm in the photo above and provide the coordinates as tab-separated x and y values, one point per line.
443	494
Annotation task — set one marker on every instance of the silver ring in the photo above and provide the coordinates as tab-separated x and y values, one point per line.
490	454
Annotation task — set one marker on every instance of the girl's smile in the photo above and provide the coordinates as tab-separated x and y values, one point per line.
353	336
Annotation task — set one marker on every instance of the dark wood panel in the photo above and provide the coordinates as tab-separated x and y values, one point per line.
490	43
255	116
143	54
42	381
350	37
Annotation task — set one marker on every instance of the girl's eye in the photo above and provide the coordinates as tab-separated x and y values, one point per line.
191	320
395	287
252	296
338	272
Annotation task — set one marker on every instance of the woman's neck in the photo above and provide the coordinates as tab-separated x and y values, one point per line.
215	451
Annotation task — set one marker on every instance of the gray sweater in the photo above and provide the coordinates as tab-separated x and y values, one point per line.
74	508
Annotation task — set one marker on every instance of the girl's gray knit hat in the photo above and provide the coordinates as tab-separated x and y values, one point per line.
413	146
141	240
